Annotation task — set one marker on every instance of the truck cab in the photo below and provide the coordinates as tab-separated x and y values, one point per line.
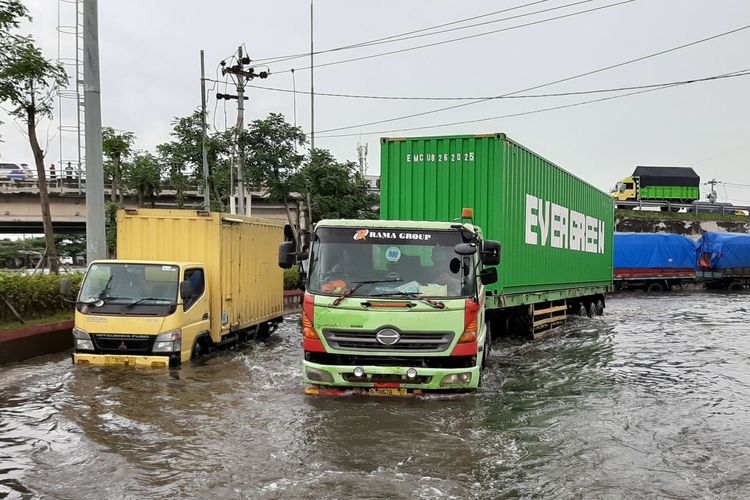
626	190
395	307
141	313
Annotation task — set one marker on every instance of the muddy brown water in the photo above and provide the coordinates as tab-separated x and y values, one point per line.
651	400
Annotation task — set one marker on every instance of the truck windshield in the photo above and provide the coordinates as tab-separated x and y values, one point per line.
125	284
379	262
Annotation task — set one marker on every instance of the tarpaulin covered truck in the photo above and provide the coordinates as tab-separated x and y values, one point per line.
654	261
659	184
184	282
409	302
725	260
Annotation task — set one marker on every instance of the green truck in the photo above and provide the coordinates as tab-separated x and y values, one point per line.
658	184
411	302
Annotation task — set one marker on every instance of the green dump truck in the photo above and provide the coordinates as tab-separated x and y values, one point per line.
411	302
658	184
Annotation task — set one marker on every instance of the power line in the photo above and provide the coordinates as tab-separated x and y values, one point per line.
451	40
409	35
513	115
579	75
526	96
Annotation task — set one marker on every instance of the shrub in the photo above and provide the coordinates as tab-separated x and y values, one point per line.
291	279
34	296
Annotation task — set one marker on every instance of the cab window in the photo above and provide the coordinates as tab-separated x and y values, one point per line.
198	282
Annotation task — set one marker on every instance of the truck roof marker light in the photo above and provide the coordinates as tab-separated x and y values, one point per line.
467	213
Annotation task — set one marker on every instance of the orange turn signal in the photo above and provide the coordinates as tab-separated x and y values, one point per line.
470	333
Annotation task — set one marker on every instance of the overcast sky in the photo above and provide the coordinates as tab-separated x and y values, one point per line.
150	73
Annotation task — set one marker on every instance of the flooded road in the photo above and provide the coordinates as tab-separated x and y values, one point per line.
651	400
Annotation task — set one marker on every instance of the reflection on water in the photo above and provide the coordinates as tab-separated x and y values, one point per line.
651	400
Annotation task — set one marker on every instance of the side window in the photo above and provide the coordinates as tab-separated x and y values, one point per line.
629	185
196	278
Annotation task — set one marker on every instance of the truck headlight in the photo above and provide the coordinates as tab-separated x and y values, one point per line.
456	379
170	341
82	340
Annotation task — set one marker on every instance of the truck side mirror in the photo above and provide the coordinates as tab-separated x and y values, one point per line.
287	255
465	248
488	275
66	288
186	290
490	253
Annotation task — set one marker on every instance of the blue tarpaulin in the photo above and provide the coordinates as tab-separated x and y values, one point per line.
654	251
727	250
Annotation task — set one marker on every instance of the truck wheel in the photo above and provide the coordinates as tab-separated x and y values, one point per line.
591	310
487	350
599	308
582	310
200	348
654	287
262	332
735	286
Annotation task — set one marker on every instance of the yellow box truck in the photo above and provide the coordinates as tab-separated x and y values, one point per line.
184	282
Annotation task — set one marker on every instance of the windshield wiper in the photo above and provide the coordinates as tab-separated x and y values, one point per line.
414	296
358	285
144	299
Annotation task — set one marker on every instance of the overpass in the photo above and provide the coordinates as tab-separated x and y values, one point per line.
20	210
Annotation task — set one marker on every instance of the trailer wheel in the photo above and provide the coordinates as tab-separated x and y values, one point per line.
735	286
655	287
582	310
591	310
599	308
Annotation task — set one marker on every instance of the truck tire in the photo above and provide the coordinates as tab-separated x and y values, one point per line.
582	310
735	286
599	308
262	332
655	287
591	310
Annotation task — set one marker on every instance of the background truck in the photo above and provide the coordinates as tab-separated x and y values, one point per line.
654	261
658	184
403	304
724	260
184	282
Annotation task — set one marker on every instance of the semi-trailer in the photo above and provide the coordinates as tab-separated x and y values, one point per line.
410	302
184	282
725	260
653	261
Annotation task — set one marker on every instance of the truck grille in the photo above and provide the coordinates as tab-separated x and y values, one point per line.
123	343
408	341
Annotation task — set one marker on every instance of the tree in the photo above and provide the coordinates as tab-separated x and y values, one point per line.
29	83
336	189
270	147
117	146
143	176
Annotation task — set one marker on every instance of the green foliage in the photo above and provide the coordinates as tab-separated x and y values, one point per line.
110	224
34	296
291	279
271	158
143	175
12	250
337	190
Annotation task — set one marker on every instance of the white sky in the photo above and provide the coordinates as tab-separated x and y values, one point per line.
150	73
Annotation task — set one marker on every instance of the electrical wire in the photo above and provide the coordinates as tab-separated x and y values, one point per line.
411	35
466	98
467	37
511	115
535	87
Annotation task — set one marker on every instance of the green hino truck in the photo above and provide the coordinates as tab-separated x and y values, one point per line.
478	237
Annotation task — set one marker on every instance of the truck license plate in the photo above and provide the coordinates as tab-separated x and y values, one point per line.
119	360
388	391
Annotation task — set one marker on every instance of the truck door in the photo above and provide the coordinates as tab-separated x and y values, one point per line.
196	310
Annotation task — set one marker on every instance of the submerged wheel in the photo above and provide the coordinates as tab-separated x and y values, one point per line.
200	348
262	332
591	310
734	286
582	310
599	308
655	287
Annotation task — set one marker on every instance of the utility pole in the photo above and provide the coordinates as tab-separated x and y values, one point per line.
96	243
312	81
362	154
239	71
206	194
712	197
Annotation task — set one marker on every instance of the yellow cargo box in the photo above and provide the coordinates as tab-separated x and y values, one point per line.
244	283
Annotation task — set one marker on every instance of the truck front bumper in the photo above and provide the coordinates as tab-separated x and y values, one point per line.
389	377
80	358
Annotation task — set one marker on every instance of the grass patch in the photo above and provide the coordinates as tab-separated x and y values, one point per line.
691	217
14	325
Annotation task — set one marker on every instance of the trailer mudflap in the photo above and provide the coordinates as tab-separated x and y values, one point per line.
120	360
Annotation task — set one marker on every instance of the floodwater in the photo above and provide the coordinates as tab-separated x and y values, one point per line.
651	400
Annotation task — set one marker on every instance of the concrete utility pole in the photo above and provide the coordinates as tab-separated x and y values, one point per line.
96	242
362	154
206	194
712	197
312	81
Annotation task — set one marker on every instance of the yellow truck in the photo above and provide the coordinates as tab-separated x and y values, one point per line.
185	282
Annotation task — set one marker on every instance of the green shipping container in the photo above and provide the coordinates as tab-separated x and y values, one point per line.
556	230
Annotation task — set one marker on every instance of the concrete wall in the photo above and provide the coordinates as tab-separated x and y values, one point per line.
686	228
